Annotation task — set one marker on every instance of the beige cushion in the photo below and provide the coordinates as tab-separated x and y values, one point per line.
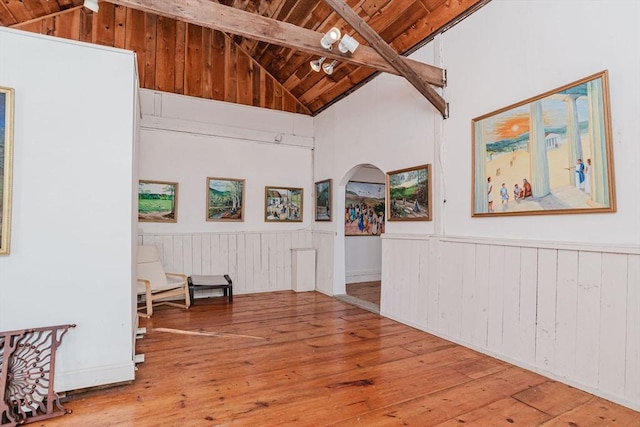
150	268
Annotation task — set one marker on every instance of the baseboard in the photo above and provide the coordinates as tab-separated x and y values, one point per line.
99	376
359	276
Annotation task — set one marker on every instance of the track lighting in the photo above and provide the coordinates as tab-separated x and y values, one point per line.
92	5
328	68
348	44
332	36
317	64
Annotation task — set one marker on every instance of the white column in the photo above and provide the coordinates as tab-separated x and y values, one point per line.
573	136
537	148
597	136
481	204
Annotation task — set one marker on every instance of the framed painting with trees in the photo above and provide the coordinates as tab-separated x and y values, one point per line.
225	199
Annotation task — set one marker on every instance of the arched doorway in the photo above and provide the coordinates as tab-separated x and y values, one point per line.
361	221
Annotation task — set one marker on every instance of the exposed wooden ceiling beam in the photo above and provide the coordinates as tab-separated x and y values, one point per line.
391	56
235	21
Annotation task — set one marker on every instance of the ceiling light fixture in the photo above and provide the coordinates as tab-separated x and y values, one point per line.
317	64
332	36
348	44
92	5
328	68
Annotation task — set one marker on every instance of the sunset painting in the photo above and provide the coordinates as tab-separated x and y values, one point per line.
548	154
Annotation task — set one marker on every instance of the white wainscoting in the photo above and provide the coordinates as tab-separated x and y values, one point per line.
570	312
256	262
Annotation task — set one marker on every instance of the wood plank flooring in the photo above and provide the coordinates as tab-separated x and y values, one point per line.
305	359
366	291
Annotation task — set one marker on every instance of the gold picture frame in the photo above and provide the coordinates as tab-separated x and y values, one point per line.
225	199
409	194
550	154
157	201
6	166
283	204
323	200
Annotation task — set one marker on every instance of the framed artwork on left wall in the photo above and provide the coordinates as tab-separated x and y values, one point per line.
157	201
6	163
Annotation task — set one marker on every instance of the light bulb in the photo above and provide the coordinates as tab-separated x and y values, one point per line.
328	68
348	44
317	64
332	36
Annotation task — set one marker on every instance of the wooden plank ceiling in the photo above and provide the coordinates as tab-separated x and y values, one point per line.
185	58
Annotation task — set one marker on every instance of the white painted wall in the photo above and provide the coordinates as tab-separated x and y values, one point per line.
72	230
468	279
549	43
186	140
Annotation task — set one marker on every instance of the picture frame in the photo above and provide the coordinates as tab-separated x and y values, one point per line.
409	194
283	204
157	201
225	199
550	154
323	199
7	96
364	209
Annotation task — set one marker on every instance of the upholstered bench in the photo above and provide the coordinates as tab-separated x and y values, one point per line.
211	282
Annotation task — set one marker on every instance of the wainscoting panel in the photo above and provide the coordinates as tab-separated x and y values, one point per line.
256	261
571	312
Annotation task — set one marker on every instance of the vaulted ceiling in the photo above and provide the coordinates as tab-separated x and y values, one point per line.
258	62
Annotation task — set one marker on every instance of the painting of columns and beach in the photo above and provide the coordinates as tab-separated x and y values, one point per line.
551	154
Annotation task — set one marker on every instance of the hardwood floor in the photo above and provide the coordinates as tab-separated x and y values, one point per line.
305	359
366	291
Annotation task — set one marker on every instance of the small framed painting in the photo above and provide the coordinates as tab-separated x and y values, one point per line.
550	154
409	194
283	204
323	200
6	162
157	201
364	209
225	199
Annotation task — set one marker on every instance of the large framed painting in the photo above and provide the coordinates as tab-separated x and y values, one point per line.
323	200
283	204
409	194
6	162
225	199
157	201
364	209
550	154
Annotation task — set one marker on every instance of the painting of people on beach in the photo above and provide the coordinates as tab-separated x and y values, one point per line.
409	194
283	204
157	201
6	145
364	209
225	199
551	154
323	200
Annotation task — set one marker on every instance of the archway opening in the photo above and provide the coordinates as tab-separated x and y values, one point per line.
363	214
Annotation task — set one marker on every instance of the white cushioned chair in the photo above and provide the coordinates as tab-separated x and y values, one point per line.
156	284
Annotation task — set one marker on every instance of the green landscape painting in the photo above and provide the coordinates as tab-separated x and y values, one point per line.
410	194
225	199
157	201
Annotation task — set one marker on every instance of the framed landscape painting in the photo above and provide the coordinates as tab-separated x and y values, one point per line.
409	194
364	209
6	162
225	199
323	200
157	201
551	154
283	204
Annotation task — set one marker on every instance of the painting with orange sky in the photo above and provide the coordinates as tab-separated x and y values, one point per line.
545	155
